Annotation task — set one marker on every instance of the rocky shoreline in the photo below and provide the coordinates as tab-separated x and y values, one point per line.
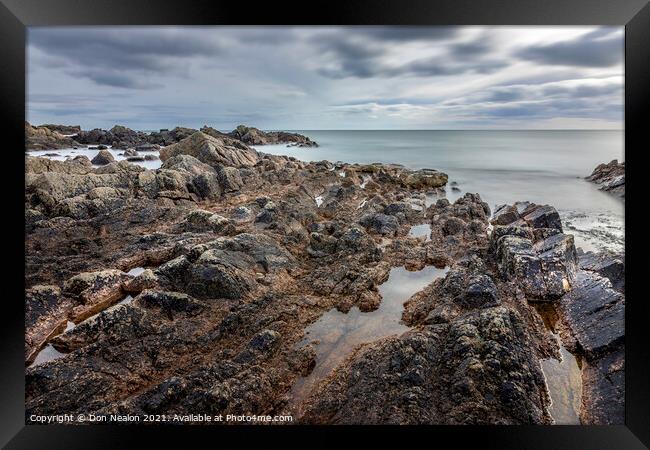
51	136
238	252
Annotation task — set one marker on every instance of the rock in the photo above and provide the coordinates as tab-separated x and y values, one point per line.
262	343
480	292
229	179
169	303
380	223
603	390
425	178
609	266
102	158
504	215
221	274
201	220
476	370
146	280
543	217
201	178
147	148
610	177
37	165
45	316
168	137
242	214
130	152
595	313
453	226
94	291
212	151
44	138
321	244
62	129
254	136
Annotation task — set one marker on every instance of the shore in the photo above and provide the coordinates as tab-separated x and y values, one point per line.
230	281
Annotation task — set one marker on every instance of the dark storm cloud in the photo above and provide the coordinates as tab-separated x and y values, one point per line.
359	54
321	77
118	56
600	48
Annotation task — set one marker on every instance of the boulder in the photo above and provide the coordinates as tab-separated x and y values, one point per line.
213	151
425	178
610	177
102	158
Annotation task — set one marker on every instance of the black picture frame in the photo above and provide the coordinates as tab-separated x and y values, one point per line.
16	15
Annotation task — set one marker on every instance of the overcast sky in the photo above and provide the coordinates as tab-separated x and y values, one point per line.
327	77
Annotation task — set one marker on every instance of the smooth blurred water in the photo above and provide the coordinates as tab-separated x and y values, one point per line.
545	167
65	153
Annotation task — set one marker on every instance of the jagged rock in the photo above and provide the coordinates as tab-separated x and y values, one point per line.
480	292
544	216
242	214
610	177
603	390
230	179
38	165
44	138
213	151
595	313
380	223
504	215
62	129
608	266
535	253
476	370
102	158
168	137
45	316
321	244
201	220
221	274
254	136
146	280
425	178
94	291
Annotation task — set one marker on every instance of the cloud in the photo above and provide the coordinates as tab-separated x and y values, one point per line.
323	77
600	48
121	56
365	53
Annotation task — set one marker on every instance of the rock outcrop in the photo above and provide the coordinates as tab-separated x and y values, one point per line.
213	151
44	138
68	130
610	177
254	136
531	250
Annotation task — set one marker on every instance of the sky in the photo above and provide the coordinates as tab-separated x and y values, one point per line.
316	78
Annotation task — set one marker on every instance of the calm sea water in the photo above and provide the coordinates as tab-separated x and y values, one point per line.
545	167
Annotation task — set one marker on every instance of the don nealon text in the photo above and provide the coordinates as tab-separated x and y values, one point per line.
132	418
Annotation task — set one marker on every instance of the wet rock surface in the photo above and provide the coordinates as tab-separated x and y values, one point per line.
236	258
610	177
